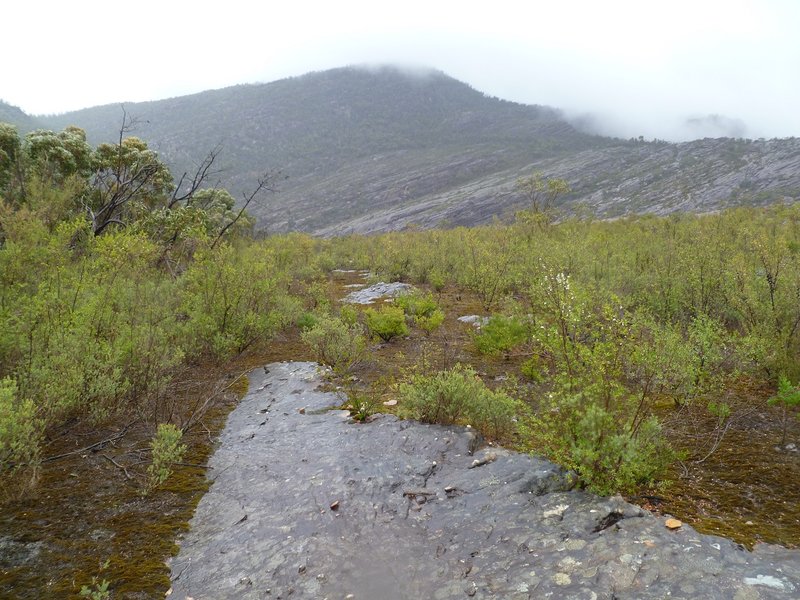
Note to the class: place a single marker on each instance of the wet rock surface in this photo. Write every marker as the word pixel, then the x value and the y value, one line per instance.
pixel 311 505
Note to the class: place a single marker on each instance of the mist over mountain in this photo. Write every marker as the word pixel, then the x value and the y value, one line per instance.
pixel 385 148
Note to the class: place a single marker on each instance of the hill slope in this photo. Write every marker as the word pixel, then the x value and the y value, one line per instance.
pixel 14 115
pixel 368 150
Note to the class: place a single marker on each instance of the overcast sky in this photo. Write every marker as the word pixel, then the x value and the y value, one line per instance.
pixel 656 69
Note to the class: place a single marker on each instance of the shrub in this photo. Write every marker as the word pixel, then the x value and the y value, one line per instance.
pixel 387 322
pixel 166 450
pixel 534 370
pixel 458 396
pixel 500 334
pixel 608 455
pixel 20 430
pixel 306 321
pixel 336 343
pixel 423 309
pixel 234 299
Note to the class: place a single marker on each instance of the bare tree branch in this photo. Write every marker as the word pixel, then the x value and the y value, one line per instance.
pixel 202 173
pixel 266 183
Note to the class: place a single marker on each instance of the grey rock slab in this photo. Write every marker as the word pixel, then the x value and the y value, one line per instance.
pixel 313 505
pixel 375 292
pixel 474 320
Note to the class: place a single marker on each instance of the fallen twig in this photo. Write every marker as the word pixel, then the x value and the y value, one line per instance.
pixel 119 466
pixel 101 443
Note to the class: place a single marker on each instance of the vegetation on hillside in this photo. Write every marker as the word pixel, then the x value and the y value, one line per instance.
pixel 112 278
pixel 601 340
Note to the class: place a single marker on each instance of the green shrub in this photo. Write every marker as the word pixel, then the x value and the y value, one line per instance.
pixel 166 450
pixel 534 370
pixel 458 396
pixel 20 429
pixel 307 321
pixel 423 309
pixel 416 303
pixel 607 454
pixel 233 299
pixel 788 397
pixel 387 322
pixel 500 334
pixel 349 314
pixel 335 343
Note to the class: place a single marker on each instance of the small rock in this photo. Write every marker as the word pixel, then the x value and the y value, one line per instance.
pixel 449 488
pixel 557 511
pixel 390 403
pixel 302 411
pixel 335 505
pixel 672 524
pixel 301 569
pixel 471 589
pixel 474 320
pixel 479 462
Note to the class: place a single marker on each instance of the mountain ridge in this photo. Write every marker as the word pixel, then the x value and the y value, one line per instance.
pixel 375 149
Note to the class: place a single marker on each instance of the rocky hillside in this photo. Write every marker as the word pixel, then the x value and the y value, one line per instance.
pixel 369 150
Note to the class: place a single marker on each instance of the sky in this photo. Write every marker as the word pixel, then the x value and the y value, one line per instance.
pixel 671 70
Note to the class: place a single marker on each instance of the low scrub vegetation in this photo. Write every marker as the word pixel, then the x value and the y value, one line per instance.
pixel 386 322
pixel 459 396
pixel 107 293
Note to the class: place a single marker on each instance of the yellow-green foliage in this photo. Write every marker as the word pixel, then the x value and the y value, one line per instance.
pixel 500 334
pixel 386 322
pixel 166 450
pixel 335 342
pixel 234 298
pixel 458 396
pixel 422 309
pixel 20 430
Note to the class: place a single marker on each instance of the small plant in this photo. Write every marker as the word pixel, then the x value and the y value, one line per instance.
pixel 336 343
pixel 387 322
pixel 788 397
pixel 437 281
pixel 423 309
pixel 363 403
pixel 608 455
pixel 20 438
pixel 534 370
pixel 500 334
pixel 458 396
pixel 348 314
pixel 166 451
pixel 98 589
pixel 306 321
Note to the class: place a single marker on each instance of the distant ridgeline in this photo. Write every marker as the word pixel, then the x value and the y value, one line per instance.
pixel 371 150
